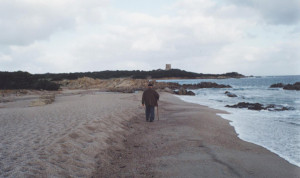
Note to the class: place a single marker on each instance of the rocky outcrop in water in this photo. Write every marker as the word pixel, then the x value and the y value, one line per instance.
pixel 295 86
pixel 229 94
pixel 258 106
pixel 251 106
pixel 277 85
pixel 205 85
pixel 183 91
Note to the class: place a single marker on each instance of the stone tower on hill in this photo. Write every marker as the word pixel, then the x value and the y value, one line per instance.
pixel 168 66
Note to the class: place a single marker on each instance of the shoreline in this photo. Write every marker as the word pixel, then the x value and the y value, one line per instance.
pixel 233 124
pixel 191 140
pixel 86 133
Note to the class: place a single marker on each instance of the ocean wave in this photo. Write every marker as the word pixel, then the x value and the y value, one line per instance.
pixel 279 131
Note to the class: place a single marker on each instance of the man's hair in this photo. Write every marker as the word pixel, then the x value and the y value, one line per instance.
pixel 150 85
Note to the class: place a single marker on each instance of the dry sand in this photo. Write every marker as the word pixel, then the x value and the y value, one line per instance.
pixel 95 134
pixel 63 139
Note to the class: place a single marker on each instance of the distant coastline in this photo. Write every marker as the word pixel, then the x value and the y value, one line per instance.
pixel 134 74
pixel 48 81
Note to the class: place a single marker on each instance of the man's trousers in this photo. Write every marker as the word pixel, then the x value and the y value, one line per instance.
pixel 150 113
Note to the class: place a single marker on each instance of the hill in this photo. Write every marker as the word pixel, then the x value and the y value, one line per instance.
pixel 137 74
pixel 49 81
pixel 25 80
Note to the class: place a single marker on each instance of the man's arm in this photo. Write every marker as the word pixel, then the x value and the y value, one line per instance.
pixel 143 99
pixel 156 95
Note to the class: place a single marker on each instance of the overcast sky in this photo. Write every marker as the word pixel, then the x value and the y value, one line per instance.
pixel 252 37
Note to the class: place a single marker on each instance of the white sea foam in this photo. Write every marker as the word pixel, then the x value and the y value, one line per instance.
pixel 278 131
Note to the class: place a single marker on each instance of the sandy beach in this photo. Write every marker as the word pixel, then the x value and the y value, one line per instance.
pixel 96 134
pixel 62 139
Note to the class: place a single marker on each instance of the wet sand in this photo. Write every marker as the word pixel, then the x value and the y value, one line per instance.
pixel 190 140
pixel 96 134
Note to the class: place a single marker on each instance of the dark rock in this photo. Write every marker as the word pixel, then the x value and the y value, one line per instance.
pixel 277 85
pixel 255 106
pixel 295 86
pixel 230 94
pixel 191 93
pixel 273 107
pixel 251 106
pixel 205 85
pixel 183 91
pixel 258 106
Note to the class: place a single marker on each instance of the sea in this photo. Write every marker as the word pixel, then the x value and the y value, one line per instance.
pixel 277 131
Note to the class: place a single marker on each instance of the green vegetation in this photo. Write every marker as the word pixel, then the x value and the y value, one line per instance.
pixel 25 80
pixel 136 74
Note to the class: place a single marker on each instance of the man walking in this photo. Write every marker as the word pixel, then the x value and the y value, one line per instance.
pixel 150 98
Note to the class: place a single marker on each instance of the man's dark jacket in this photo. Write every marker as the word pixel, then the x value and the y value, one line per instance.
pixel 150 97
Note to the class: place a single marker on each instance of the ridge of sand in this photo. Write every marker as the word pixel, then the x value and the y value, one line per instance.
pixel 62 139
pixel 190 141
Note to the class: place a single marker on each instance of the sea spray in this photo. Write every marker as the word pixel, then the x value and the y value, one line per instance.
pixel 278 131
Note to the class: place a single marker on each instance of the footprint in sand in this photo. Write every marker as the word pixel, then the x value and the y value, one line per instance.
pixel 74 135
pixel 91 128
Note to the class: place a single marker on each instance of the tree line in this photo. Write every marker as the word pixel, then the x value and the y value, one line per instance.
pixel 25 80
pixel 136 74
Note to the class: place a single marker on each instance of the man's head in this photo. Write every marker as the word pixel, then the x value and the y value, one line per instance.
pixel 150 85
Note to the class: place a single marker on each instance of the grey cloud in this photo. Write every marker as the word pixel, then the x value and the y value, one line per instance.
pixel 24 22
pixel 274 11
pixel 295 30
pixel 22 33
pixel 193 39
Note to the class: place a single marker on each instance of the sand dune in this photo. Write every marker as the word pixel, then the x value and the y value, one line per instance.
pixel 64 138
